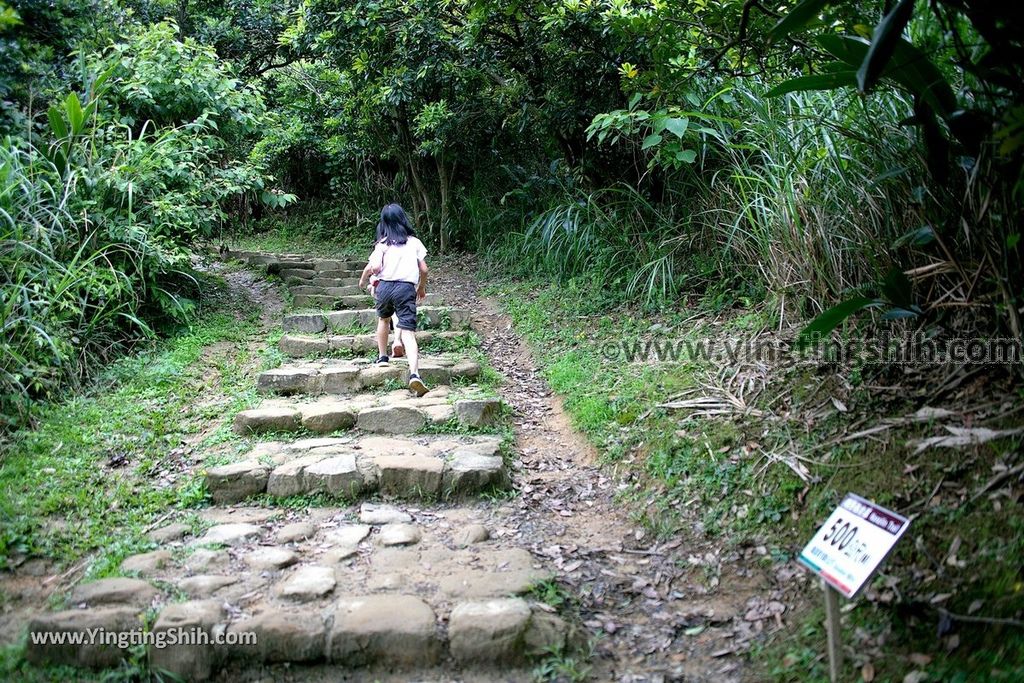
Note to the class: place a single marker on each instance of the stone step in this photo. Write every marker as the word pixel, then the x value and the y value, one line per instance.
pixel 349 376
pixel 321 321
pixel 398 412
pixel 318 281
pixel 304 346
pixel 321 290
pixel 331 303
pixel 430 467
pixel 376 586
pixel 360 300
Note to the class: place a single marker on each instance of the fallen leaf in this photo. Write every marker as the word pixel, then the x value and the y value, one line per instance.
pixel 867 672
pixel 919 659
pixel 694 630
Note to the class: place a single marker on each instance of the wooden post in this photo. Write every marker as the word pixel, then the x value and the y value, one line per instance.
pixel 835 648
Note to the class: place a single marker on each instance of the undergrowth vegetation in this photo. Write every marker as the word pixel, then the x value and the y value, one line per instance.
pixel 758 453
pixel 101 466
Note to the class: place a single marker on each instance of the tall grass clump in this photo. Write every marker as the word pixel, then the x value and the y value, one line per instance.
pixel 99 210
pixel 799 196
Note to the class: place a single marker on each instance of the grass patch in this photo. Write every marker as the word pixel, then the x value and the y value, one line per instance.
pixel 730 469
pixel 85 478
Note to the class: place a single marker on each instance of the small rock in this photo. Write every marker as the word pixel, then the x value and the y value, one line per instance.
pixel 168 534
pixel 399 534
pixel 308 583
pixel 382 514
pixel 272 559
pixel 478 412
pixel 288 479
pixel 546 633
pixel 304 322
pixel 146 563
pixel 204 559
pixel 324 418
pixel 285 381
pixel 474 533
pixel 297 531
pixel 114 591
pixel 468 473
pixel 205 585
pixel 229 534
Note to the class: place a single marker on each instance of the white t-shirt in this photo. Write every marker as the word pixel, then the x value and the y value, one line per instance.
pixel 398 262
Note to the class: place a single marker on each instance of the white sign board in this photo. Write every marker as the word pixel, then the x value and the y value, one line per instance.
pixel 852 543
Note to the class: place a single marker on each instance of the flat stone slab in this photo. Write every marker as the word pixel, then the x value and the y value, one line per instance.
pixel 399 630
pixel 399 534
pixel 350 376
pixel 114 591
pixel 188 661
pixel 169 534
pixel 307 583
pixel 271 559
pixel 366 319
pixel 205 585
pixel 229 534
pixel 264 420
pixel 424 467
pixel 297 531
pixel 280 636
pixel 489 631
pixel 370 513
pixel 237 481
pixel 397 412
pixel 78 624
pixel 302 346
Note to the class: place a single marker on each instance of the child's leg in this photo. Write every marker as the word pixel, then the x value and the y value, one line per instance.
pixel 382 335
pixel 412 351
pixel 398 348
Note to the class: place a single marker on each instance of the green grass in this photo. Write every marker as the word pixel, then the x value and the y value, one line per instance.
pixel 720 469
pixel 61 500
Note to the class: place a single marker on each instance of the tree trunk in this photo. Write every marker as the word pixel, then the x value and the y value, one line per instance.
pixel 442 183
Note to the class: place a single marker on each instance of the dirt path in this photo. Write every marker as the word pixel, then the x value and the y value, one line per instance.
pixel 683 609
pixel 318 575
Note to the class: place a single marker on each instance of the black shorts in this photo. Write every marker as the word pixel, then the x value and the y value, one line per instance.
pixel 397 296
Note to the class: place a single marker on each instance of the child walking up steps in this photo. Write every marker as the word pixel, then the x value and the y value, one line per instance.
pixel 399 263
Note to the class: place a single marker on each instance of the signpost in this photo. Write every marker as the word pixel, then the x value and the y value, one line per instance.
pixel 847 549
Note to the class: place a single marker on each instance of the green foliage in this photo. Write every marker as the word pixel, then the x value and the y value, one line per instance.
pixel 98 215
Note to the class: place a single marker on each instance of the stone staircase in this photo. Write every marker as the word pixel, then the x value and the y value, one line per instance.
pixel 329 284
pixel 387 564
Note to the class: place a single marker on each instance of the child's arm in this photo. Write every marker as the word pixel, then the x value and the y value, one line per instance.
pixel 421 291
pixel 367 272
pixel 373 265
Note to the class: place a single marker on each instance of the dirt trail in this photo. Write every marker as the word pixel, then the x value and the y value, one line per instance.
pixel 684 609
pixel 680 610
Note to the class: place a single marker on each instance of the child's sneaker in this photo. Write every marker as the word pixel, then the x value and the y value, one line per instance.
pixel 416 385
pixel 381 360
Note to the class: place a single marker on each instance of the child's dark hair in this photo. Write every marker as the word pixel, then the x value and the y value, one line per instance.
pixel 394 226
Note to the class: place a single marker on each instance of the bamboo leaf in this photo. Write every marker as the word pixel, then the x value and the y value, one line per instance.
pixel 797 18
pixel 830 319
pixel 886 37
pixel 826 81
